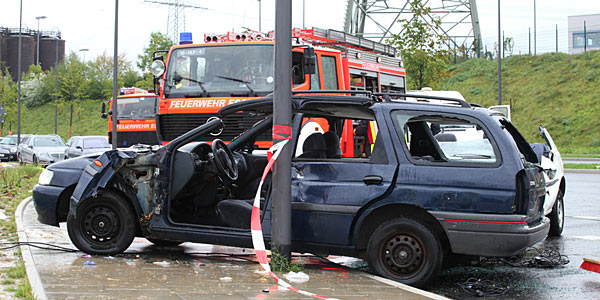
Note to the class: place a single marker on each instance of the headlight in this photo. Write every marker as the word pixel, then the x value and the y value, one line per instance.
pixel 45 177
pixel 13 149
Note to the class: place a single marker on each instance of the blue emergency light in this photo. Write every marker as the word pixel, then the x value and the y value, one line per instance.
pixel 185 38
pixel 122 92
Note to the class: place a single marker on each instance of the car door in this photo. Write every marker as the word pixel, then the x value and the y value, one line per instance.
pixel 327 192
pixel 77 149
pixel 27 152
pixel 70 145
pixel 446 169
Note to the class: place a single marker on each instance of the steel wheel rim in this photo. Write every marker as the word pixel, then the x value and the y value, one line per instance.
pixel 101 224
pixel 403 255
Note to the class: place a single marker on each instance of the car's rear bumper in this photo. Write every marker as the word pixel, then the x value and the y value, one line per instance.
pixel 45 199
pixel 490 234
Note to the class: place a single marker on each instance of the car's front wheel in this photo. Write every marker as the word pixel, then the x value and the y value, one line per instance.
pixel 405 250
pixel 103 225
pixel 19 159
pixel 34 160
pixel 557 216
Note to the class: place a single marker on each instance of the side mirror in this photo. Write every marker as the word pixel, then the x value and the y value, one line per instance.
pixel 78 147
pixel 104 116
pixel 310 60
pixel 103 111
pixel 158 67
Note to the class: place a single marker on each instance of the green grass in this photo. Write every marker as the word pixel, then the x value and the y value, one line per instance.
pixel 40 120
pixel 556 90
pixel 582 166
pixel 15 185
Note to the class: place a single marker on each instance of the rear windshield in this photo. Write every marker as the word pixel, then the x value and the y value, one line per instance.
pixel 95 143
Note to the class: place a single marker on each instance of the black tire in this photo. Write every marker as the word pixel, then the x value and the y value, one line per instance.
pixel 557 216
pixel 164 243
pixel 19 159
pixel 105 225
pixel 405 250
pixel 34 160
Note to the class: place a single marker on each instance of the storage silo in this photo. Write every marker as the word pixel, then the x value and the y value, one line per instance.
pixel 48 52
pixel 11 43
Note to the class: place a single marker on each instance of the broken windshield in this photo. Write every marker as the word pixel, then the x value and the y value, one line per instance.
pixel 220 70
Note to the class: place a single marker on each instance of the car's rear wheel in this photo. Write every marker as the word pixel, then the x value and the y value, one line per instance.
pixel 104 225
pixel 557 216
pixel 19 159
pixel 405 250
pixel 164 243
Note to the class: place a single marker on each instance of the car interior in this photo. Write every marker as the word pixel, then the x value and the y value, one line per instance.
pixel 204 194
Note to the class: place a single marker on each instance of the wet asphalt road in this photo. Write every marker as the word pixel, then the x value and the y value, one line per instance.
pixel 580 238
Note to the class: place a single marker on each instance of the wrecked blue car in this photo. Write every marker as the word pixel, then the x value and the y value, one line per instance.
pixel 402 200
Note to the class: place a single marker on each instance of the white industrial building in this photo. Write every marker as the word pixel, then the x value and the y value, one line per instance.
pixel 584 33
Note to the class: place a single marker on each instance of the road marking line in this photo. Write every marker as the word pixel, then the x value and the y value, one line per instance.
pixel 586 218
pixel 588 237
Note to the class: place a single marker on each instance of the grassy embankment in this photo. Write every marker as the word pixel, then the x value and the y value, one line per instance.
pixel 16 184
pixel 40 120
pixel 556 90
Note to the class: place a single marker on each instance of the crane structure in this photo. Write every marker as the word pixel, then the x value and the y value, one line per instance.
pixel 175 16
pixel 378 20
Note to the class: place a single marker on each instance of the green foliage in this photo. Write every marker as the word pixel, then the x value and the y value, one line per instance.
pixel 158 41
pixel 280 263
pixel 556 90
pixel 421 47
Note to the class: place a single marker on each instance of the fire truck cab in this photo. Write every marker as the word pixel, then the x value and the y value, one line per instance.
pixel 135 117
pixel 194 81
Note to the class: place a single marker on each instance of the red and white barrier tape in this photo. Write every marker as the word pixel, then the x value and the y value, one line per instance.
pixel 256 227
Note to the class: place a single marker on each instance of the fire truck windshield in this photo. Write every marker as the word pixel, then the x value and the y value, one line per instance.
pixel 219 70
pixel 136 108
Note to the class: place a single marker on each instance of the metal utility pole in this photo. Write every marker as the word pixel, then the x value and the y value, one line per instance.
pixel 556 38
pixel 303 14
pixel 37 57
pixel 259 16
pixel 19 74
pixel 534 30
pixel 56 87
pixel 584 36
pixel 499 60
pixel 115 107
pixel 281 232
pixel 84 50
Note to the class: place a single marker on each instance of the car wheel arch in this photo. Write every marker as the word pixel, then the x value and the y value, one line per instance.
pixel 118 186
pixel 371 218
pixel 62 206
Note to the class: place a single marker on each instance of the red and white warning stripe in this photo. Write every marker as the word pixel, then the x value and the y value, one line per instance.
pixel 256 227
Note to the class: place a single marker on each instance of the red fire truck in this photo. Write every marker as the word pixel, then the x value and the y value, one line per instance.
pixel 196 80
pixel 135 119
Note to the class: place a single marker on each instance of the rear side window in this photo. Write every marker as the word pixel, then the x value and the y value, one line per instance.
pixel 445 140
pixel 330 76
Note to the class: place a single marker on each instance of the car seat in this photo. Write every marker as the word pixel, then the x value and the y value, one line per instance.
pixel 332 145
pixel 314 146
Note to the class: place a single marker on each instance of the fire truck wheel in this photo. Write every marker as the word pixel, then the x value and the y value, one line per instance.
pixel 103 225
pixel 405 250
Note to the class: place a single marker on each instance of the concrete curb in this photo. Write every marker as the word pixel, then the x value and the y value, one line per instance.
pixel 583 171
pixel 32 274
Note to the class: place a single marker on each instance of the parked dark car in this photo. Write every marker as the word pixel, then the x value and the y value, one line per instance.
pixel 8 148
pixel 401 208
pixel 55 186
pixel 82 145
pixel 41 149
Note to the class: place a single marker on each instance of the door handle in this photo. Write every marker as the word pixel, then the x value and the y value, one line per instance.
pixel 372 179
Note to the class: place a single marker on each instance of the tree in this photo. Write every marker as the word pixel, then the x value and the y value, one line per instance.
pixel 8 97
pixel 421 47
pixel 158 41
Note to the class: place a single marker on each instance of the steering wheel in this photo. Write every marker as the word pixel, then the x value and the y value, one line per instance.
pixel 224 160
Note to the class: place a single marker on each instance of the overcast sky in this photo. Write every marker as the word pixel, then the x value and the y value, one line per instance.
pixel 90 23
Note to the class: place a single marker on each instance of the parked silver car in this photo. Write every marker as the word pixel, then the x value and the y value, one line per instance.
pixel 41 149
pixel 82 145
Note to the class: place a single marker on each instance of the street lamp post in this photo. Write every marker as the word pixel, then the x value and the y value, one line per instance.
pixel 56 84
pixel 37 59
pixel 84 50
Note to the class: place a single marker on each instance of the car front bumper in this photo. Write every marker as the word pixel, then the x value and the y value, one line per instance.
pixel 8 156
pixel 45 199
pixel 490 234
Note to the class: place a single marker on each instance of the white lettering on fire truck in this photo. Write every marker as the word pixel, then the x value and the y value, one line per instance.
pixel 201 103
pixel 136 126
